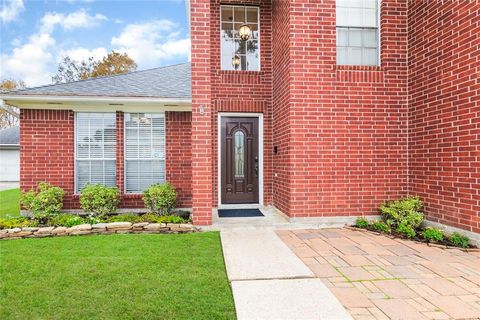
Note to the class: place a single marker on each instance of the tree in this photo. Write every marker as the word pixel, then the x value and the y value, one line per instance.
pixel 9 115
pixel 113 63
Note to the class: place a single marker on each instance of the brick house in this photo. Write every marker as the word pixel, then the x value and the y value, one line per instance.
pixel 317 108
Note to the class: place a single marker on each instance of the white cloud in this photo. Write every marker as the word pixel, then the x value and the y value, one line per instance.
pixel 35 60
pixel 78 19
pixel 79 54
pixel 152 43
pixel 30 61
pixel 10 10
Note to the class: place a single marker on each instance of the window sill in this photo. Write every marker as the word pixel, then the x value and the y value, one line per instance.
pixel 358 68
pixel 248 72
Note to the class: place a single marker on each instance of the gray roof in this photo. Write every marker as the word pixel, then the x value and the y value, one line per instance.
pixel 164 82
pixel 10 136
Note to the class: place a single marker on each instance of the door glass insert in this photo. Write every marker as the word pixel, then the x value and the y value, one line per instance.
pixel 239 145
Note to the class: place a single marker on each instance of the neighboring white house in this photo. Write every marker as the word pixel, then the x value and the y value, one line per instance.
pixel 10 154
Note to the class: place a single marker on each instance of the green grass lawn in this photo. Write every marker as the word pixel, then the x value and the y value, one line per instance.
pixel 9 203
pixel 131 276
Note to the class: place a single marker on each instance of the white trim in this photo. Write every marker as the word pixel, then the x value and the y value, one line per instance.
pixel 95 103
pixel 259 36
pixel 260 158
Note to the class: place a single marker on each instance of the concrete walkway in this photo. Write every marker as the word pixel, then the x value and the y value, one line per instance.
pixel 270 282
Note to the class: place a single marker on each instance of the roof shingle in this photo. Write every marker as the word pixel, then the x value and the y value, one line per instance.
pixel 164 82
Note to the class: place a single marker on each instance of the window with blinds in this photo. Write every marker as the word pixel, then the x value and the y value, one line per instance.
pixel 95 149
pixel 358 32
pixel 144 150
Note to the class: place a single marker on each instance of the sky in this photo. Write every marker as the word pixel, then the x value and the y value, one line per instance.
pixel 36 34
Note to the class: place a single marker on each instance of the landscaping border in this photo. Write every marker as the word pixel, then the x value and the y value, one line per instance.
pixel 99 228
pixel 441 246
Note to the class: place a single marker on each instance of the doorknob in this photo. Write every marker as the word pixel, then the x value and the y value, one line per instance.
pixel 256 170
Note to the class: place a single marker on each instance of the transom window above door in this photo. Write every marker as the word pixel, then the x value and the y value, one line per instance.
pixel 240 38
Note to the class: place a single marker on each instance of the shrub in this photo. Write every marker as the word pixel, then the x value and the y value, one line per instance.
pixel 361 223
pixel 459 240
pixel 433 235
pixel 19 222
pixel 381 226
pixel 99 199
pixel 407 230
pixel 160 198
pixel 405 212
pixel 66 220
pixel 45 203
pixel 153 218
pixel 133 218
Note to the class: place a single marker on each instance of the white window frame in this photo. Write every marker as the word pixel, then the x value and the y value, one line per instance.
pixel 125 149
pixel 75 135
pixel 379 39
pixel 259 37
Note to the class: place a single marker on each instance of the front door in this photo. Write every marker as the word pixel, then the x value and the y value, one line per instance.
pixel 239 160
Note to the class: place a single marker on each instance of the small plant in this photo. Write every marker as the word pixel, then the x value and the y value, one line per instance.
pixel 381 226
pixel 160 198
pixel 153 218
pixel 45 203
pixel 459 240
pixel 98 199
pixel 405 212
pixel 407 230
pixel 66 220
pixel 361 223
pixel 19 222
pixel 433 235
pixel 133 218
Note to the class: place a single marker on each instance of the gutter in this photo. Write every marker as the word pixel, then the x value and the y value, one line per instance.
pixel 104 99
pixel 9 147
pixel 97 103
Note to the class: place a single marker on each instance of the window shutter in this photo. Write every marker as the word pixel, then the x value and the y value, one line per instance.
pixel 144 150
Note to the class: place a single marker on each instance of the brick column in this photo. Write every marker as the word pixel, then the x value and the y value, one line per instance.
pixel 201 113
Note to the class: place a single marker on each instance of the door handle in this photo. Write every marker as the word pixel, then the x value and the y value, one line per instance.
pixel 256 170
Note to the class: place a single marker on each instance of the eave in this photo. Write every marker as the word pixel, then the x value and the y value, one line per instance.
pixel 97 103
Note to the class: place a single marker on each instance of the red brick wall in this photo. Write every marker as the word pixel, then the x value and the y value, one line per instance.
pixel 243 91
pixel 47 150
pixel 47 154
pixel 179 155
pixel 202 173
pixel 444 110
pixel 281 104
pixel 347 141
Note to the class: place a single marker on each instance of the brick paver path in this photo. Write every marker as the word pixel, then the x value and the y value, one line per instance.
pixel 376 277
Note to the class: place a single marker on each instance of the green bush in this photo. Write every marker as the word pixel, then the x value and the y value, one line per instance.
pixel 433 235
pixel 45 203
pixel 19 222
pixel 160 198
pixel 133 218
pixel 407 230
pixel 381 226
pixel 459 240
pixel 99 199
pixel 405 212
pixel 361 223
pixel 66 220
pixel 153 218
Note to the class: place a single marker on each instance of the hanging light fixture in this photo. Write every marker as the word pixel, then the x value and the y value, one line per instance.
pixel 236 61
pixel 244 32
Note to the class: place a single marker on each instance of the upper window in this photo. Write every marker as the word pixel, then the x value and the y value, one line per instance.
pixel 240 38
pixel 95 149
pixel 357 32
pixel 144 150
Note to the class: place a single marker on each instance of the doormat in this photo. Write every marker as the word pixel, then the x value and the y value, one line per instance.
pixel 239 213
